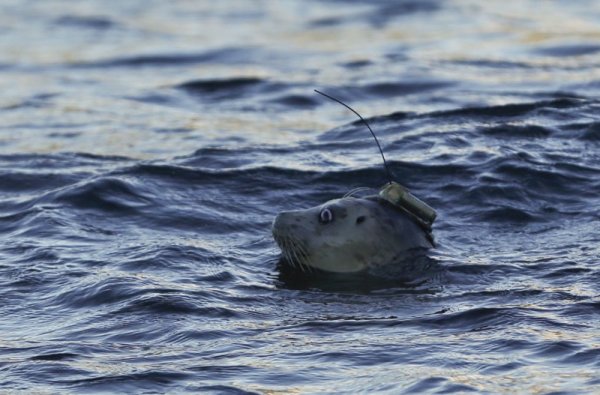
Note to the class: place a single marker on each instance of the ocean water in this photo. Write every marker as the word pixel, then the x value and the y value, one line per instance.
pixel 146 146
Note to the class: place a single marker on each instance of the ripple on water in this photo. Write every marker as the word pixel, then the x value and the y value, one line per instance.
pixel 148 274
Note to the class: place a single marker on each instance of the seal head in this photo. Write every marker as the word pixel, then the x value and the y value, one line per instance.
pixel 348 235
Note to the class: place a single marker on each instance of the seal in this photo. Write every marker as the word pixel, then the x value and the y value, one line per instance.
pixel 348 235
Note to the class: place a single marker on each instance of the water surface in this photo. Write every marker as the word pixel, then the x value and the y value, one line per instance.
pixel 146 146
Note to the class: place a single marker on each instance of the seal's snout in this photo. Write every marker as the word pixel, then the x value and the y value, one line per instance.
pixel 287 230
pixel 278 224
pixel 285 233
pixel 284 222
pixel 281 228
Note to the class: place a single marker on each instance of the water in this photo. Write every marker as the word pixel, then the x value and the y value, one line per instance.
pixel 146 146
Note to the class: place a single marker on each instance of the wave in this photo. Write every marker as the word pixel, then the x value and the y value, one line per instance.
pixel 221 55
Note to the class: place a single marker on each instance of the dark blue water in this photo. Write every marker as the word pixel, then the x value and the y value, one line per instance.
pixel 146 146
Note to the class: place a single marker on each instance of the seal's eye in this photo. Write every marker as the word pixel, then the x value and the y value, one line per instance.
pixel 325 216
pixel 360 219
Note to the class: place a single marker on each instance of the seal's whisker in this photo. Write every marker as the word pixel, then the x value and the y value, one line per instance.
pixel 293 251
pixel 298 259
pixel 284 248
pixel 356 190
pixel 292 254
pixel 298 255
pixel 286 251
pixel 304 256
